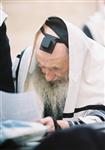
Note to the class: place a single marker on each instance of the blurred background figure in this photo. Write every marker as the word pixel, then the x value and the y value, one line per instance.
pixel 95 26
pixel 6 81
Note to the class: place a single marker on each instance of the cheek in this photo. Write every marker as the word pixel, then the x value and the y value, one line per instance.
pixel 64 71
pixel 66 68
pixel 61 73
pixel 43 70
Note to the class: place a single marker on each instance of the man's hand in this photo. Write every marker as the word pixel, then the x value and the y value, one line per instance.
pixel 48 121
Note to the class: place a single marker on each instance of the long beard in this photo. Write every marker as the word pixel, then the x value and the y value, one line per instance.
pixel 53 94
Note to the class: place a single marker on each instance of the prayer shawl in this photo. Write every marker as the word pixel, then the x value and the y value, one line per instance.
pixel 85 99
pixel 96 26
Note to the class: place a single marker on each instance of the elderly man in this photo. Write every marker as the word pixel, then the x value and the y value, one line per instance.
pixel 66 69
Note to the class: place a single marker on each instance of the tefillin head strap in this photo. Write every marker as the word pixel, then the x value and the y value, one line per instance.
pixel 48 42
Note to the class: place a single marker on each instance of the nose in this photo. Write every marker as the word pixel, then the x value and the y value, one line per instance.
pixel 49 75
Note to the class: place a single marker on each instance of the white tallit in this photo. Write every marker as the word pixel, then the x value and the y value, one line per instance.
pixel 86 72
pixel 96 25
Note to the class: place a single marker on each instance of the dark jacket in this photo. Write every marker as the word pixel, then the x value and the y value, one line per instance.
pixel 6 80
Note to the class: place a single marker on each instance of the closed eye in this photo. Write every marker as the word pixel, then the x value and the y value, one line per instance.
pixel 56 69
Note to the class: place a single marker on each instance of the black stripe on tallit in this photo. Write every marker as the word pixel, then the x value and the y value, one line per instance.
pixel 89 107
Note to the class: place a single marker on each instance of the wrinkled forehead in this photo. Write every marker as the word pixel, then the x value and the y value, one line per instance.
pixel 51 60
pixel 59 52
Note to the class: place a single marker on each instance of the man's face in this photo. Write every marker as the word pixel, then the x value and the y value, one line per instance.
pixel 54 66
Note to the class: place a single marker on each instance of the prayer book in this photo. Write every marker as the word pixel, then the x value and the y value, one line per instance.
pixel 19 118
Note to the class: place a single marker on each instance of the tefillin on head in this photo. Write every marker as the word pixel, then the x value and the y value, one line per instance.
pixel 49 41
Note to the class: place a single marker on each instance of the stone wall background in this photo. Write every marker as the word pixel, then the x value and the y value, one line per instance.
pixel 25 16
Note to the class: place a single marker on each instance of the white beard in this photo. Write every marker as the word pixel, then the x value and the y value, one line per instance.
pixel 53 95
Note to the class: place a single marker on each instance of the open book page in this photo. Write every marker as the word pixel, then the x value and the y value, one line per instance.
pixel 20 106
pixel 19 113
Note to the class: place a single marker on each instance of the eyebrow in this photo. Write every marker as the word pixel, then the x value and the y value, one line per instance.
pixel 52 67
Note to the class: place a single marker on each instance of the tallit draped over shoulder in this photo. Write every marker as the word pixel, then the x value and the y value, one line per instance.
pixel 96 26
pixel 86 77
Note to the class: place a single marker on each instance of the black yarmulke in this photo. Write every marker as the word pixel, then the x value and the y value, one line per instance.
pixel 59 27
